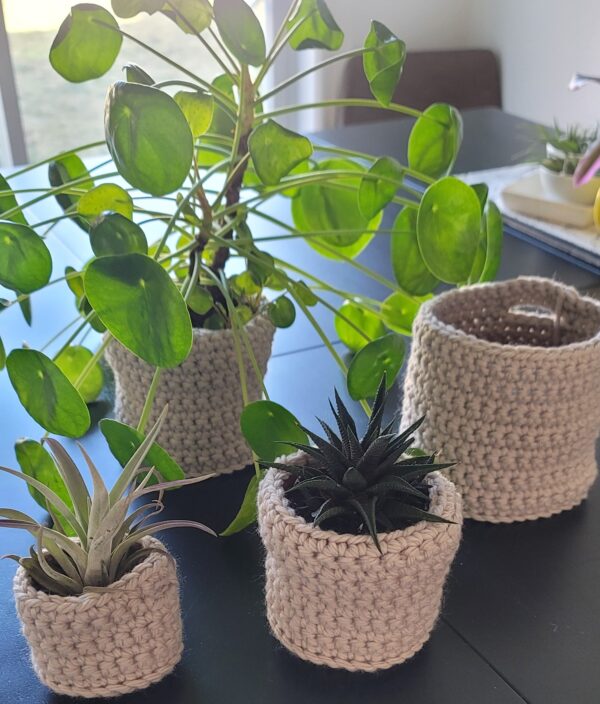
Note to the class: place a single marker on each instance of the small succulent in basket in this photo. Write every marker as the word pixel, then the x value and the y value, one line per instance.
pixel 97 578
pixel 377 483
pixel 108 536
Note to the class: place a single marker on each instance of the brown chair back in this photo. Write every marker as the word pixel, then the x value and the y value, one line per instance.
pixel 465 78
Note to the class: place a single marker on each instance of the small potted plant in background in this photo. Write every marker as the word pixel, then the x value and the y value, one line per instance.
pixel 98 596
pixel 359 538
pixel 564 149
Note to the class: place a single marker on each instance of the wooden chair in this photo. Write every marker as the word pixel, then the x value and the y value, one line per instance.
pixel 465 78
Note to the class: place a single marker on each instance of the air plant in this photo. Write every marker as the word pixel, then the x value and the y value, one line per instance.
pixel 95 538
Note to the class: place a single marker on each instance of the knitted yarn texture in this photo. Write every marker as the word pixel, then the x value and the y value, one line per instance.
pixel 202 428
pixel 103 644
pixel 334 600
pixel 508 377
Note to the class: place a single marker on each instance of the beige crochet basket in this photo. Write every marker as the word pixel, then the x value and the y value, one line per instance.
pixel 202 428
pixel 508 377
pixel 104 644
pixel 334 600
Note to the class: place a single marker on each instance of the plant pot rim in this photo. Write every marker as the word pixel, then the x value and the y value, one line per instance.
pixel 445 502
pixel 428 315
pixel 156 559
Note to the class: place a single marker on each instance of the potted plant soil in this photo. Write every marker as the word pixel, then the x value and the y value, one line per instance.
pixel 359 538
pixel 509 374
pixel 98 596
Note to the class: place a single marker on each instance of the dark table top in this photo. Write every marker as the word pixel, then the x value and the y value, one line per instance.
pixel 521 617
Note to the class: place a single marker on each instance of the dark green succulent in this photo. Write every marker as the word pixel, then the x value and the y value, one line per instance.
pixel 362 486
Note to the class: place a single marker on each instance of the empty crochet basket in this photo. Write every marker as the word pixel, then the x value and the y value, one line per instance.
pixel 202 428
pixel 104 644
pixel 508 377
pixel 333 599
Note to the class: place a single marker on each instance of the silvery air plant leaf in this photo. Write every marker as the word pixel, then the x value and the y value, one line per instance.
pixel 107 531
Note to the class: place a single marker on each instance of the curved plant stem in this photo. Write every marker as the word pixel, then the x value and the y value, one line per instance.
pixel 93 360
pixel 56 157
pixel 342 102
pixel 278 44
pixel 141 426
pixel 59 333
pixel 72 337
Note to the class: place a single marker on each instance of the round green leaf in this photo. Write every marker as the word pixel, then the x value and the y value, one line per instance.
pixel 373 194
pixel 200 300
pixel 400 310
pixel 448 229
pixel 124 440
pixel 410 270
pixel 366 321
pixel 192 16
pixel 222 122
pixel 112 233
pixel 240 31
pixel 383 63
pixel 198 108
pixel 87 43
pixel 385 354
pixel 266 425
pixel 282 312
pixel 25 262
pixel 304 293
pixel 435 140
pixel 136 74
pixel 108 196
pixel 25 308
pixel 276 150
pixel 141 306
pixel 148 137
pixel 316 27
pixel 482 191
pixel 494 231
pixel 325 207
pixel 70 168
pixel 72 361
pixel 8 202
pixel 35 461
pixel 130 8
pixel 47 394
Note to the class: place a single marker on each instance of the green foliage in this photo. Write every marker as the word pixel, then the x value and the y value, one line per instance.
pixel 113 233
pixel 370 485
pixel 108 531
pixel 47 394
pixel 9 202
pixel 266 425
pixel 67 169
pixel 240 30
pixel 160 333
pixel 198 108
pixel 282 312
pixel 435 140
pixel 148 137
pixel 192 16
pixel 124 441
pixel 569 143
pixel 374 195
pixel 356 326
pixel 247 513
pixel 87 43
pixel 25 262
pixel 315 27
pixel 448 229
pixel 410 270
pixel 106 196
pixel 72 361
pixel 383 62
pixel 136 74
pixel 276 150
pixel 381 357
pixel 399 311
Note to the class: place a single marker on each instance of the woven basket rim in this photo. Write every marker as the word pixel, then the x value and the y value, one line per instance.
pixel 446 490
pixel 157 559
pixel 427 315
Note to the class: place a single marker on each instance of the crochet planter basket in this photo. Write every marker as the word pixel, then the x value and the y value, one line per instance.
pixel 508 377
pixel 103 644
pixel 334 600
pixel 202 428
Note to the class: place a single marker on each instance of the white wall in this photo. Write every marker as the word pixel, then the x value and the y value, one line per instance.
pixel 541 43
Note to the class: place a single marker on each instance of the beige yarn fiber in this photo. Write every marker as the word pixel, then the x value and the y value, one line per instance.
pixel 202 428
pixel 334 600
pixel 103 644
pixel 508 376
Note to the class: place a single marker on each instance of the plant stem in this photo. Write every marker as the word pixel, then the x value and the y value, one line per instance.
pixel 152 389
pixel 93 360
pixel 316 67
pixel 72 337
pixel 342 102
pixel 58 156
pixel 277 43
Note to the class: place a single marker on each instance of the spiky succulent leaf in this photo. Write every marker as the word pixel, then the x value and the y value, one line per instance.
pixel 361 486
